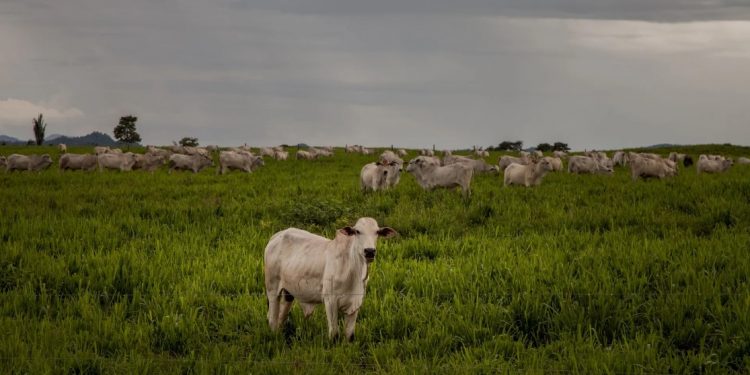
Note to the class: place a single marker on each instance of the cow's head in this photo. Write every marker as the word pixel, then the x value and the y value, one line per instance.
pixel 365 234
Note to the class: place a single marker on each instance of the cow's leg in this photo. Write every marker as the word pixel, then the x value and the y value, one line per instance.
pixel 273 309
pixel 332 314
pixel 286 305
pixel 350 321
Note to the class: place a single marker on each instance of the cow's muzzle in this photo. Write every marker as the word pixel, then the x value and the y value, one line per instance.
pixel 369 255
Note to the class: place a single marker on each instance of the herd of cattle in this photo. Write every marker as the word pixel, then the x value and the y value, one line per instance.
pixel 527 169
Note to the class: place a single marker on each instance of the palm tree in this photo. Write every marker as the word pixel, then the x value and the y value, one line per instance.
pixel 39 128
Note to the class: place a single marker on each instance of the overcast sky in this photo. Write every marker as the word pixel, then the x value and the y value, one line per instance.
pixel 593 73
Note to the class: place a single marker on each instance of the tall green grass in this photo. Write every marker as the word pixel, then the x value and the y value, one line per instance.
pixel 154 273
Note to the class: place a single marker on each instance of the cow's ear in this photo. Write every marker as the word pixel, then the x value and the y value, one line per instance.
pixel 348 231
pixel 387 232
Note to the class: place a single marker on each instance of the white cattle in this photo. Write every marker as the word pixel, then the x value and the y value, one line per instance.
pixel 482 153
pixel 266 151
pixel 62 147
pixel 3 162
pixel 427 152
pixel 120 162
pixel 706 165
pixel 389 156
pixel 538 154
pixel 116 151
pixel 526 175
pixel 401 152
pixel 478 165
pixel 230 160
pixel 743 160
pixel 151 161
pixel 17 162
pixel 280 155
pixel 193 163
pixel 98 150
pixel 556 163
pixel 584 164
pixel 313 270
pixel 380 175
pixel 620 158
pixel 507 160
pixel 302 154
pixel 85 162
pixel 560 154
pixel 649 167
pixel 430 175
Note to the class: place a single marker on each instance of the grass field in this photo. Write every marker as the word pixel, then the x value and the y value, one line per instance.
pixel 141 273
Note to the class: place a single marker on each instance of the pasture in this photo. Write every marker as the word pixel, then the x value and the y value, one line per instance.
pixel 154 273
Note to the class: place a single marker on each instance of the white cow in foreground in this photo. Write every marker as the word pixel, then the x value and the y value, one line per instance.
pixel 314 270
pixel 527 175
pixel 430 174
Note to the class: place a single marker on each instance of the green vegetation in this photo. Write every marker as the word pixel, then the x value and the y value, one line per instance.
pixel 154 273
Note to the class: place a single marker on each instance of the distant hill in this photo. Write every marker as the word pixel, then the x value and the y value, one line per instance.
pixel 10 140
pixel 93 139
pixel 52 137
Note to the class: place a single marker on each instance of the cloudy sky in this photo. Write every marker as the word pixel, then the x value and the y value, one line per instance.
pixel 593 73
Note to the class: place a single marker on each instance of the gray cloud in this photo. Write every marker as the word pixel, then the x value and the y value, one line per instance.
pixel 405 73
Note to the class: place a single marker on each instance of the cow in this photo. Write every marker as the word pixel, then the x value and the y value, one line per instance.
pixel 194 163
pixel 16 162
pixel 280 155
pixel 62 147
pixel 98 150
pixel 538 154
pixel 150 161
pixel 526 175
pixel 430 175
pixel 479 165
pixel 302 154
pixel 507 160
pixel 380 175
pixel 313 270
pixel 584 164
pixel 427 152
pixel 85 162
pixel 229 160
pixel 620 158
pixel 743 160
pixel 3 162
pixel 560 154
pixel 707 165
pixel 266 151
pixel 649 167
pixel 389 156
pixel 401 152
pixel 556 163
pixel 121 162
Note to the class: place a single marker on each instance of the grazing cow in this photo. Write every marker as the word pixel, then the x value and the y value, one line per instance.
pixel 401 152
pixel 430 175
pixel 3 162
pixel 526 175
pixel 98 150
pixel 379 176
pixel 85 162
pixel 538 154
pixel 150 161
pixel 743 160
pixel 707 165
pixel 266 151
pixel 585 164
pixel 121 162
pixel 482 153
pixel 560 154
pixel 479 165
pixel 194 163
pixel 212 148
pixel 62 147
pixel 524 154
pixel 676 157
pixel 230 160
pixel 427 152
pixel 27 163
pixel 280 155
pixel 313 270
pixel 116 151
pixel 648 167
pixel 507 160
pixel 302 154
pixel 556 163
pixel 279 148
pixel 620 158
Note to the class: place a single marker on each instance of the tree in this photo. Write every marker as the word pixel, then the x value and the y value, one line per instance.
pixel 189 142
pixel 125 131
pixel 544 147
pixel 559 146
pixel 39 128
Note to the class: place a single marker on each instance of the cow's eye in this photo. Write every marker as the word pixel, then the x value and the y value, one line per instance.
pixel 356 231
